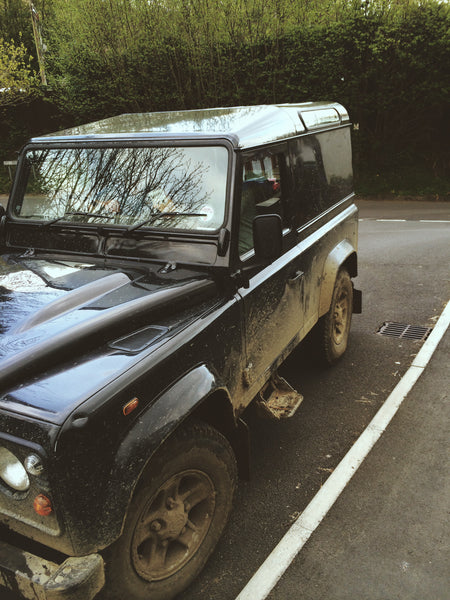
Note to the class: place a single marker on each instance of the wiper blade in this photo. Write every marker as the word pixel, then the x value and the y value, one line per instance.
pixel 76 213
pixel 155 216
pixel 30 216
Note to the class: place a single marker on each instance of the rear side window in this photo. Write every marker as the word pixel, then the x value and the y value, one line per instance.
pixel 322 170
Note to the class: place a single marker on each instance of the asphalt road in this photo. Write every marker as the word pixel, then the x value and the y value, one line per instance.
pixel 404 276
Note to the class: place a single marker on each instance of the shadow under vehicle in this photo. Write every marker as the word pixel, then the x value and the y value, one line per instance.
pixel 155 271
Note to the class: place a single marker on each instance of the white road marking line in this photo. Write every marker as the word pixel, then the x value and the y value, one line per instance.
pixel 404 220
pixel 273 568
pixel 433 221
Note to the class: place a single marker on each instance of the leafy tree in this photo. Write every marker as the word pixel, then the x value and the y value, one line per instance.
pixel 15 22
pixel 18 81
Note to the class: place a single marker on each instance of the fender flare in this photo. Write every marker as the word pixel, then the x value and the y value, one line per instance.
pixel 341 254
pixel 146 436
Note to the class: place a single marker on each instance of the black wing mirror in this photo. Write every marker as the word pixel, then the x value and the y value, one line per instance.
pixel 267 238
pixel 2 211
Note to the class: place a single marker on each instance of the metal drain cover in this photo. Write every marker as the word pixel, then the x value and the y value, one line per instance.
pixel 401 330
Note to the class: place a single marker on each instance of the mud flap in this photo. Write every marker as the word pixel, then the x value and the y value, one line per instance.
pixel 277 399
pixel 357 301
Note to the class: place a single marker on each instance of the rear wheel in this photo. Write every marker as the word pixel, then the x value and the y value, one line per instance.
pixel 334 327
pixel 175 518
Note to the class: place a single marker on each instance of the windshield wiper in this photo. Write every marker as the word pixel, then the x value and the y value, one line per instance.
pixel 30 216
pixel 76 213
pixel 155 216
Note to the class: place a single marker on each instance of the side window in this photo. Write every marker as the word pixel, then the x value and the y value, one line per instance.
pixel 322 170
pixel 263 183
pixel 309 180
pixel 337 163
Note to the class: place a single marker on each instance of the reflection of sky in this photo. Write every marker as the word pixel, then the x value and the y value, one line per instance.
pixel 315 118
pixel 61 392
pixel 213 183
pixel 123 183
pixel 219 120
pixel 18 306
pixel 23 281
pixel 336 154
pixel 251 125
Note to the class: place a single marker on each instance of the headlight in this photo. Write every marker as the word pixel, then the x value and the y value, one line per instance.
pixel 12 471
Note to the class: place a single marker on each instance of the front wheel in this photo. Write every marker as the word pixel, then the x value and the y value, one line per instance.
pixel 334 326
pixel 175 518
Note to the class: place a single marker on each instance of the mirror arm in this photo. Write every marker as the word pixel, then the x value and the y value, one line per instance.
pixel 241 277
pixel 2 228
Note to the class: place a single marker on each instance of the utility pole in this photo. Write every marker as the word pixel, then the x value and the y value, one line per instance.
pixel 38 41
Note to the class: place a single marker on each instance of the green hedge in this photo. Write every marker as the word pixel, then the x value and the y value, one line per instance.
pixel 388 68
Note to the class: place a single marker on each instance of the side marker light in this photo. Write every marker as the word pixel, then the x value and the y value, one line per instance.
pixel 130 406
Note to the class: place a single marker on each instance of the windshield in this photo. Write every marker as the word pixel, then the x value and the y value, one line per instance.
pixel 158 187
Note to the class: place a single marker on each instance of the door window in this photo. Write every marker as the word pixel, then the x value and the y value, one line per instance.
pixel 263 184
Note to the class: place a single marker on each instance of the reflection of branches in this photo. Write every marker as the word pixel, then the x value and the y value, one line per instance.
pixel 132 182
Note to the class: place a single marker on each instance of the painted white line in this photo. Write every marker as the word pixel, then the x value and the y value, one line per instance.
pixel 404 220
pixel 433 221
pixel 273 568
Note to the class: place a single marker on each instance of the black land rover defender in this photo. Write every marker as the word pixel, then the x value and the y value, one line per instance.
pixel 155 270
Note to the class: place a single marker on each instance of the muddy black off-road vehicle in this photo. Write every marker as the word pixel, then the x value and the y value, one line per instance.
pixel 155 271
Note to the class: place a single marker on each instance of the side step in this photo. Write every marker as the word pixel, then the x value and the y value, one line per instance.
pixel 277 399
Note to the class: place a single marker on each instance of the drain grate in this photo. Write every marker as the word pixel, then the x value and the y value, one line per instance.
pixel 401 330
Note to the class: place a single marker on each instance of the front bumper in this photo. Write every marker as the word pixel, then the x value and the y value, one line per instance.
pixel 34 578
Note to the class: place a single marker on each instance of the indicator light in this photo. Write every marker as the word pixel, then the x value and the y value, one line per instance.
pixel 42 505
pixel 130 406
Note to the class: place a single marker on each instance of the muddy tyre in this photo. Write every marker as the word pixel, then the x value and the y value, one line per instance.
pixel 175 518
pixel 334 326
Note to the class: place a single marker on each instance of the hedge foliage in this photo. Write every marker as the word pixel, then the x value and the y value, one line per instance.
pixel 387 62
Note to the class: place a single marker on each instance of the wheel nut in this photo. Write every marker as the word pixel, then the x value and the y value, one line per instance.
pixel 170 503
pixel 156 526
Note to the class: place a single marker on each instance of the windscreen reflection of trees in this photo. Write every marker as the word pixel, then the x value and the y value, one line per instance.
pixel 122 185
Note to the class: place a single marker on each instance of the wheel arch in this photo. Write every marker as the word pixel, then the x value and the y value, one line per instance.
pixel 342 256
pixel 202 399
pixel 217 410
pixel 185 501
